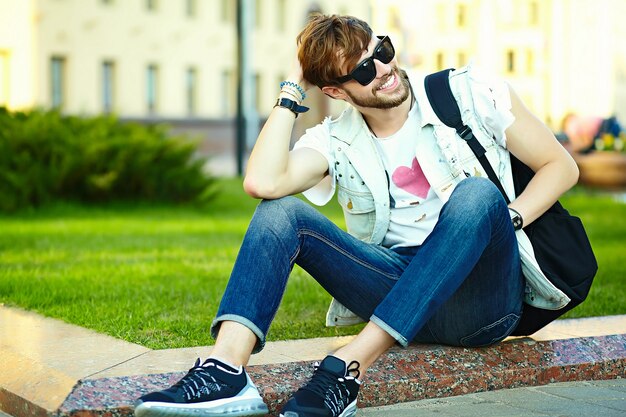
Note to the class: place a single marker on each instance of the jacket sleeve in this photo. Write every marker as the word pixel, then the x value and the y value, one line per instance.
pixel 490 98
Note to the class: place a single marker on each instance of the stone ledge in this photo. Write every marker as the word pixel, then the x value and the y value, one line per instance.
pixel 400 375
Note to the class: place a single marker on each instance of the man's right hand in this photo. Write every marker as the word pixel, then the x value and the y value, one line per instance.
pixel 296 75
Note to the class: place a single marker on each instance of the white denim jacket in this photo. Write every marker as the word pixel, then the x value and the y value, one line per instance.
pixel 356 171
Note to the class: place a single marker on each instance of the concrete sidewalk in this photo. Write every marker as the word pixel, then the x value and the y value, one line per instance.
pixel 50 368
pixel 571 399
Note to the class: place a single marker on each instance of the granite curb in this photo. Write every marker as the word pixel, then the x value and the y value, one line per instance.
pixel 401 375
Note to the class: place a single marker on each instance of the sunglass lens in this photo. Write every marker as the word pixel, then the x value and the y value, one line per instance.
pixel 385 51
pixel 365 73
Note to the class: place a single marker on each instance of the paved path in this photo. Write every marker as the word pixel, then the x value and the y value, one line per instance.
pixel 571 399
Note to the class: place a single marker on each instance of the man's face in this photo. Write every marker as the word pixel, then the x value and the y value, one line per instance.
pixel 389 89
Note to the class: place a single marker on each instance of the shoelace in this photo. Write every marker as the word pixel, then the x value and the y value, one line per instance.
pixel 325 384
pixel 198 381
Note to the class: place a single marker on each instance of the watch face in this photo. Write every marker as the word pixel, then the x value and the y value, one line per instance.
pixel 516 219
pixel 517 222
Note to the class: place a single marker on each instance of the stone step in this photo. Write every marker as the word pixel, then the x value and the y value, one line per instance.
pixel 400 375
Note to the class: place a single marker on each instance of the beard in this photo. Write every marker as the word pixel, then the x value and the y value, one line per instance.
pixel 384 102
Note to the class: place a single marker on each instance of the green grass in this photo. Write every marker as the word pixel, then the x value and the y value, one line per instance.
pixel 154 275
pixel 151 275
pixel 605 221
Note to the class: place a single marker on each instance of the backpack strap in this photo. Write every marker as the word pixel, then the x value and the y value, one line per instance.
pixel 444 105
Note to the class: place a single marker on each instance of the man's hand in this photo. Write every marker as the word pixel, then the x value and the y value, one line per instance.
pixel 296 75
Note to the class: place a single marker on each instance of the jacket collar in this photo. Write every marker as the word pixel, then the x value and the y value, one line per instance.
pixel 348 125
pixel 427 114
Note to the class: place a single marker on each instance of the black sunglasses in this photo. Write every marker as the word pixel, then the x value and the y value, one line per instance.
pixel 365 71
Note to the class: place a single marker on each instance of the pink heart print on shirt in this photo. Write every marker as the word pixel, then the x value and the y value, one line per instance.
pixel 411 180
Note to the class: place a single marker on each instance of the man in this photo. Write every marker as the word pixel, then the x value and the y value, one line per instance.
pixel 431 254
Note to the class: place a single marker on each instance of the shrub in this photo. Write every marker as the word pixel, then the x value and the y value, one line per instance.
pixel 45 156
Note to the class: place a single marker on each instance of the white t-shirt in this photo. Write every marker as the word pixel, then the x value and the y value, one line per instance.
pixel 414 205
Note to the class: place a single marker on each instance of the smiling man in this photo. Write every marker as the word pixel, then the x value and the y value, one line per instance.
pixel 430 254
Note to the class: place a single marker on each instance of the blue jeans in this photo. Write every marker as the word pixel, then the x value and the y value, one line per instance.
pixel 463 286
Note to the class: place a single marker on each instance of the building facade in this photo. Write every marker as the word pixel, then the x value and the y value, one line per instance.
pixel 561 56
pixel 176 60
pixel 155 60
pixel 173 59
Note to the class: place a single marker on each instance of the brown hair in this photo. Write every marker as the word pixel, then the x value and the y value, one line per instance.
pixel 327 40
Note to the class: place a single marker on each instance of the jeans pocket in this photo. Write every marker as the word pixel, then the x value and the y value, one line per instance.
pixel 492 333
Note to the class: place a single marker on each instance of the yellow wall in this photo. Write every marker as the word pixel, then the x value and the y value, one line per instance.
pixel 16 54
pixel 568 54
pixel 85 33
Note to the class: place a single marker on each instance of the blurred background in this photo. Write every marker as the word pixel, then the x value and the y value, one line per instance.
pixel 117 117
pixel 211 68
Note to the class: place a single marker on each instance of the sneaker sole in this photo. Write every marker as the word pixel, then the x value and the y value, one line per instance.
pixel 234 407
pixel 350 411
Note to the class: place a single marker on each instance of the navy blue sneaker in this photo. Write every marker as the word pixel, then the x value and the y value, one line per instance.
pixel 331 392
pixel 210 389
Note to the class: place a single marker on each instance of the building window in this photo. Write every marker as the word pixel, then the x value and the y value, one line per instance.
pixel 441 14
pixel 228 11
pixel 510 61
pixel 439 61
pixel 530 61
pixel 462 59
pixel 152 93
pixel 152 5
pixel 192 8
pixel 394 22
pixel 108 86
pixel 281 9
pixel 258 103
pixel 57 81
pixel 258 13
pixel 191 86
pixel 461 17
pixel 534 13
pixel 4 79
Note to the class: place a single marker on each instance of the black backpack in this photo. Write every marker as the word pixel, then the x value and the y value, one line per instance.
pixel 559 240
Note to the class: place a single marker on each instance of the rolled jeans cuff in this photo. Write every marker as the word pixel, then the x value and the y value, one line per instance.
pixel 260 342
pixel 393 333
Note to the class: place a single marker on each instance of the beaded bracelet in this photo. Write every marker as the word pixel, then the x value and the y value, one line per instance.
pixel 293 91
pixel 291 94
pixel 296 86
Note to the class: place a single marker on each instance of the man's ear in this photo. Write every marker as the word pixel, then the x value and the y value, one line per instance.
pixel 334 92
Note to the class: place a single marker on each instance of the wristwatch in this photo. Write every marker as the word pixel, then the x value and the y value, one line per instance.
pixel 291 105
pixel 516 218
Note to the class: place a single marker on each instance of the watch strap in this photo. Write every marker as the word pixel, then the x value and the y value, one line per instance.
pixel 291 105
